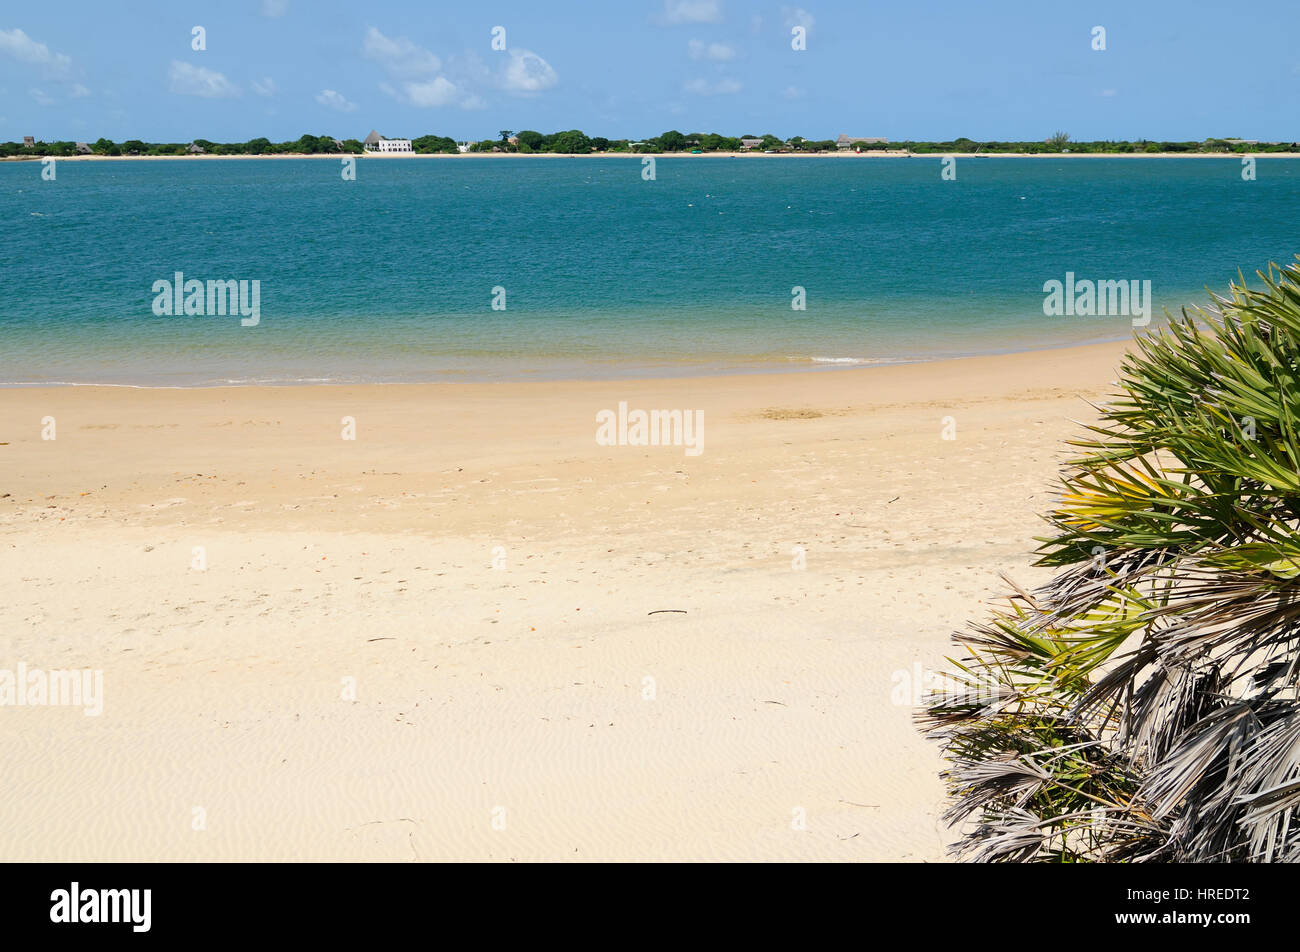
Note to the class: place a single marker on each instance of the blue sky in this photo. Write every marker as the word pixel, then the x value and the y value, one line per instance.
pixel 993 69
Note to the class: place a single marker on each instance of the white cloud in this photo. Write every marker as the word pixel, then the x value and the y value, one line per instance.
pixel 186 79
pixel 793 92
pixel 718 52
pixel 692 11
pixel 78 91
pixel 528 73
pixel 17 44
pixel 798 16
pixel 264 87
pixel 275 8
pixel 42 97
pixel 1110 92
pixel 336 101
pixel 723 87
pixel 399 56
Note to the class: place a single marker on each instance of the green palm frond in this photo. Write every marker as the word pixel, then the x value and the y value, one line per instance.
pixel 1145 704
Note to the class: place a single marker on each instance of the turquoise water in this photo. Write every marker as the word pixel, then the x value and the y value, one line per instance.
pixel 390 277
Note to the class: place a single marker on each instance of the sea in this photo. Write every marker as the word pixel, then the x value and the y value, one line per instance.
pixel 469 268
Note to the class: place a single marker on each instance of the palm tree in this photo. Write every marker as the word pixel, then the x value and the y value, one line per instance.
pixel 1145 704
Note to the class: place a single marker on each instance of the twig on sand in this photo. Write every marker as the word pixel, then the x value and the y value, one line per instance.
pixel 660 611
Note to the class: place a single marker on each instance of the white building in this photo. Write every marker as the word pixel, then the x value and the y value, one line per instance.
pixel 377 143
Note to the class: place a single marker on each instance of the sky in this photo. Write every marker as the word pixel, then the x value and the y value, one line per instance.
pixel 901 69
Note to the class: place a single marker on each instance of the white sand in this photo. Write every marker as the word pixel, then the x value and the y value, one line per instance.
pixel 521 688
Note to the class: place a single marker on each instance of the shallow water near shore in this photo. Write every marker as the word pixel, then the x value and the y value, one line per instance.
pixel 392 277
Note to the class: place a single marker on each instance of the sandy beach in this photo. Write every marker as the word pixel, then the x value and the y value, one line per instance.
pixel 474 633
pixel 752 154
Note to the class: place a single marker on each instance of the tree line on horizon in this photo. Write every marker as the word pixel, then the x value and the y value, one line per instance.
pixel 576 142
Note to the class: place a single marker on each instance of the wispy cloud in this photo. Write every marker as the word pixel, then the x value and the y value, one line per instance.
pixel 186 79
pixel 723 87
pixel 399 55
pixel 18 45
pixel 435 93
pixel 692 11
pixel 418 77
pixel 275 8
pixel 264 87
pixel 798 16
pixel 336 101
pixel 415 71
pixel 718 52
pixel 78 91
pixel 42 97
pixel 438 92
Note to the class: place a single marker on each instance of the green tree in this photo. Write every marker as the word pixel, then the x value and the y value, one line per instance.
pixel 572 142
pixel 672 141
pixel 530 138
pixel 434 144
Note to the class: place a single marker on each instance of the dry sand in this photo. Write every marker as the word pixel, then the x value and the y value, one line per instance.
pixel 533 712
pixel 844 153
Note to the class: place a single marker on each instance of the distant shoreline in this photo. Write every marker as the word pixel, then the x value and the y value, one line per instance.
pixel 878 154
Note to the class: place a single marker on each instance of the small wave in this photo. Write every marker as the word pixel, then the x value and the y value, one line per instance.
pixel 857 361
pixel 86 383
pixel 272 381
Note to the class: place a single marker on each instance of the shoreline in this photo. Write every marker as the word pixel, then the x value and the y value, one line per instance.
pixel 812 366
pixel 889 154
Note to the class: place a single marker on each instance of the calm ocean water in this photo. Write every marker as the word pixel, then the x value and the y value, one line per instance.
pixel 390 277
